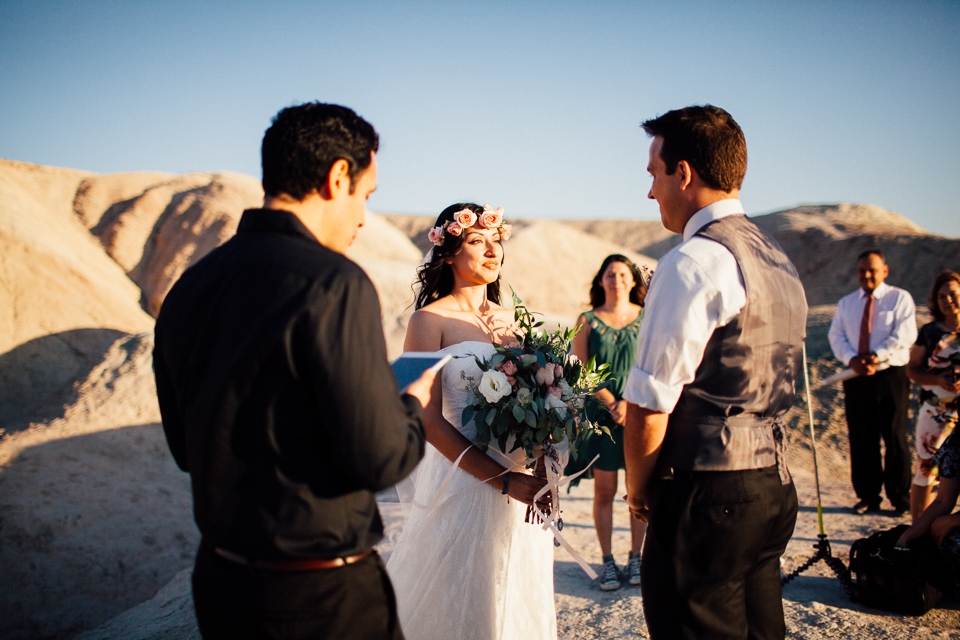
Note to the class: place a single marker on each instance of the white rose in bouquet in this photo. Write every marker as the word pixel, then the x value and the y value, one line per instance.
pixel 553 402
pixel 494 385
pixel 565 390
pixel 524 397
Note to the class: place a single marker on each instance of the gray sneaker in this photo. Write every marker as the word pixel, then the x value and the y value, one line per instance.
pixel 610 576
pixel 633 571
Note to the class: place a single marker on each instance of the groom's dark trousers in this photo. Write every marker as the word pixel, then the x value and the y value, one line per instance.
pixel 712 554
pixel 277 397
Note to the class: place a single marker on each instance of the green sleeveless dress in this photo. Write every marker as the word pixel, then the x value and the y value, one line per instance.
pixel 618 348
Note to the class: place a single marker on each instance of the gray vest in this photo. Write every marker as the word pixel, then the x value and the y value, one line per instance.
pixel 728 418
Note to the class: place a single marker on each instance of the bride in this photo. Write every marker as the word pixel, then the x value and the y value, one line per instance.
pixel 468 566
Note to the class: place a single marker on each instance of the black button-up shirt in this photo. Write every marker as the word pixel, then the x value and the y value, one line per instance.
pixel 276 395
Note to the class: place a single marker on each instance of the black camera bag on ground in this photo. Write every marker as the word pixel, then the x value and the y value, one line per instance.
pixel 909 581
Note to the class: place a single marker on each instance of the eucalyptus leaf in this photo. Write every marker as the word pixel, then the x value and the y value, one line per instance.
pixel 519 413
pixel 490 416
pixel 467 415
pixel 531 419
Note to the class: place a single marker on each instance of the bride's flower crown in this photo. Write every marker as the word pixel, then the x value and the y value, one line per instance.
pixel 489 218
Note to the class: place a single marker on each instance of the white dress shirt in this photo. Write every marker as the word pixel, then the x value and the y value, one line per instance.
pixel 697 288
pixel 892 334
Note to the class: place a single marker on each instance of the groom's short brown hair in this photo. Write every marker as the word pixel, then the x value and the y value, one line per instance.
pixel 708 138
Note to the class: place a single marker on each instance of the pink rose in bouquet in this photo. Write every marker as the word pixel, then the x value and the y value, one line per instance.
pixel 544 375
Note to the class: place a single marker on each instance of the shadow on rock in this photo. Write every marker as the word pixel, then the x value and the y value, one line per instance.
pixel 37 377
pixel 90 526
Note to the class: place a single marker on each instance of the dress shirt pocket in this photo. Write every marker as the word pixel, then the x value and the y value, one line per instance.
pixel 888 317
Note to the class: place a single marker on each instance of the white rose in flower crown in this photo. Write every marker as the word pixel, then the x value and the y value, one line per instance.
pixel 494 385
pixel 524 397
pixel 553 402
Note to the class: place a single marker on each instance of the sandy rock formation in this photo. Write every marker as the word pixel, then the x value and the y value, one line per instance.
pixel 63 302
pixel 823 241
pixel 156 226
pixel 551 266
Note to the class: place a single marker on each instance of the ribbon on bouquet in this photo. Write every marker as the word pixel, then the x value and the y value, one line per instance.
pixel 554 467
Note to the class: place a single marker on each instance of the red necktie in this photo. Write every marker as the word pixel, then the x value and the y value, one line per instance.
pixel 863 348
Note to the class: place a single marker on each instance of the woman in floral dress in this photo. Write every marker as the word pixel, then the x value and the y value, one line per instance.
pixel 935 364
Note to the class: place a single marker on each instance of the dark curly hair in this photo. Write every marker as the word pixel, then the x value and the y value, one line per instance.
pixel 304 142
pixel 942 278
pixel 597 294
pixel 435 278
pixel 708 138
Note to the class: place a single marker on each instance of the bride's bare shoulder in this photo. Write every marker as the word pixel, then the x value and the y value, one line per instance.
pixel 426 327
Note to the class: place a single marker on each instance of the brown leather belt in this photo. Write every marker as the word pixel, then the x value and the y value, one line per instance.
pixel 305 564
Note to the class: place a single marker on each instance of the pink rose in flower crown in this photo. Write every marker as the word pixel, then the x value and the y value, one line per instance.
pixel 544 376
pixel 509 367
pixel 436 236
pixel 465 218
pixel 491 218
pixel 506 231
pixel 454 229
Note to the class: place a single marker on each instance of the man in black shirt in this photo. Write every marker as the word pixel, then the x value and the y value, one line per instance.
pixel 277 398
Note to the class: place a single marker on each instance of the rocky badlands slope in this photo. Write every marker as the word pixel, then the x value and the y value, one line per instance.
pixel 94 516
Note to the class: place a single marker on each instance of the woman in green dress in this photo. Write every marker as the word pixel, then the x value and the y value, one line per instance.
pixel 609 331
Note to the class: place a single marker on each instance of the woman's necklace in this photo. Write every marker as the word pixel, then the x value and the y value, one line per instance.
pixel 620 320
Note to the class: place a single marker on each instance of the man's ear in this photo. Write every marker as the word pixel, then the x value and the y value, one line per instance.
pixel 686 173
pixel 338 180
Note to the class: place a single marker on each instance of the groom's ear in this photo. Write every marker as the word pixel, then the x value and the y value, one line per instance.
pixel 686 174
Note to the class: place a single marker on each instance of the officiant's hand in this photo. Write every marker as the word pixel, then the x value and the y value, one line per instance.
pixel 422 387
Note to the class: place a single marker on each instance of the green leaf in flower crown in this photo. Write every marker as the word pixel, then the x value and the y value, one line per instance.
pixel 467 414
pixel 519 413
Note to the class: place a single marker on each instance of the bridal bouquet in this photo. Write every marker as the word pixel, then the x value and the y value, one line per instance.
pixel 535 392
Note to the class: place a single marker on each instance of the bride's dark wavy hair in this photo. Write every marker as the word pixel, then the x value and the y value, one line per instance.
pixel 435 278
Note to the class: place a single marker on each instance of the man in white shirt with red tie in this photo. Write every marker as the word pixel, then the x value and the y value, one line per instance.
pixel 872 333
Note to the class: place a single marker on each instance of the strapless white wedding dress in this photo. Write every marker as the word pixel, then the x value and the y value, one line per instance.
pixel 471 568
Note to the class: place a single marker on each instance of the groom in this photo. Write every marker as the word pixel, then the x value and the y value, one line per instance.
pixel 276 397
pixel 718 354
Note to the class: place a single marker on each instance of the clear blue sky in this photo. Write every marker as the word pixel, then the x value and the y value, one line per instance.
pixel 534 106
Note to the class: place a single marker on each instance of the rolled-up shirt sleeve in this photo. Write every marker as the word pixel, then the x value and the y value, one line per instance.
pixel 696 288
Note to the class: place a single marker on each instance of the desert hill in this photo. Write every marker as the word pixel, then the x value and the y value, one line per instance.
pixel 823 242
pixel 94 516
